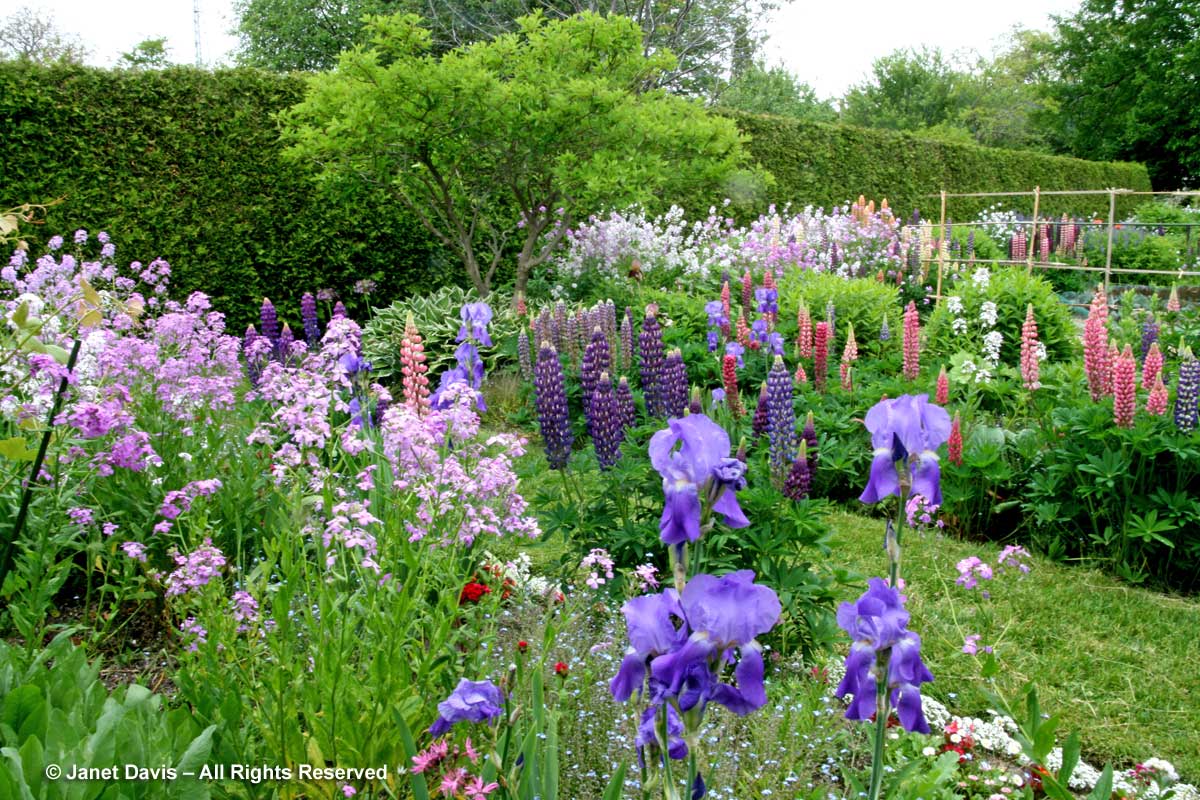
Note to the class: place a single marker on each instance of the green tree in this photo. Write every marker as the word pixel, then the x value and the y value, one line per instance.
pixel 1129 85
pixel 759 90
pixel 498 146
pixel 1009 103
pixel 909 90
pixel 146 54
pixel 710 38
pixel 28 35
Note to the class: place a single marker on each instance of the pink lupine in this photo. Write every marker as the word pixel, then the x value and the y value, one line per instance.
pixel 804 339
pixel 1152 366
pixel 413 368
pixel 801 375
pixel 743 331
pixel 849 356
pixel 955 442
pixel 912 342
pixel 1095 344
pixel 1029 351
pixel 821 355
pixel 1156 403
pixel 1173 300
pixel 726 311
pixel 747 291
pixel 1124 387
pixel 941 395
pixel 1109 368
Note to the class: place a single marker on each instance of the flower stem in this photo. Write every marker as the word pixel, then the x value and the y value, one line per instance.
pixel 881 718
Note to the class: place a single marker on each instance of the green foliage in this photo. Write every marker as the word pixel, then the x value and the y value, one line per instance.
pixel 1127 85
pixel 29 36
pixel 825 165
pixel 776 91
pixel 502 145
pixel 861 302
pixel 183 164
pixel 55 710
pixel 1136 248
pixel 909 90
pixel 1013 290
pixel 300 35
pixel 437 318
pixel 148 53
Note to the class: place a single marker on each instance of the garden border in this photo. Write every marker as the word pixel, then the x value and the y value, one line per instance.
pixel 1029 262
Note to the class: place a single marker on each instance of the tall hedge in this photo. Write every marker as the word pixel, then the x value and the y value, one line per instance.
pixel 184 164
pixel 822 164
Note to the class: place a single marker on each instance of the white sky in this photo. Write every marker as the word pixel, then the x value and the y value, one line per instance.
pixel 828 44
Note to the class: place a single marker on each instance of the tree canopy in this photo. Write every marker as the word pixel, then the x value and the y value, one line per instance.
pixel 29 35
pixel 497 146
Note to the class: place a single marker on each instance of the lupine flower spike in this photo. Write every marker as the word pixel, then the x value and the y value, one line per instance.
pixel 799 479
pixel 1173 301
pixel 608 429
pixel 1124 399
pixel 821 355
pixel 747 292
pixel 941 395
pixel 1095 344
pixel 849 356
pixel 1187 391
pixel 912 342
pixel 413 367
pixel 804 339
pixel 1030 364
pixel 650 348
pixel 1152 365
pixel 781 418
pixel 551 401
pixel 1156 402
pixel 312 325
pixel 955 443
pixel 758 425
pixel 729 379
pixel 885 332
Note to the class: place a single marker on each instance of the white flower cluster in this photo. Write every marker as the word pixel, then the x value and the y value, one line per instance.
pixel 987 314
pixel 519 570
pixel 999 223
pixel 991 346
pixel 981 278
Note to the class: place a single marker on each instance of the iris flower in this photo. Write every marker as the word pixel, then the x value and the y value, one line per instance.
pixel 906 432
pixel 877 623
pixel 476 316
pixel 690 471
pixel 471 701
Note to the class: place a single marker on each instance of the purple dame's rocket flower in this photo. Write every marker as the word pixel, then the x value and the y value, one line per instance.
pixel 475 319
pixel 471 701
pixel 877 623
pixel 690 471
pixel 906 433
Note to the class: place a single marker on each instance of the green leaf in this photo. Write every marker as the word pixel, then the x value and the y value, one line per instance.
pixel 17 449
pixel 616 784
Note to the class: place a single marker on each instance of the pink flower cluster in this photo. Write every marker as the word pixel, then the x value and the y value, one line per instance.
pixel 912 342
pixel 196 569
pixel 600 566
pixel 1030 364
pixel 1124 388
pixel 1095 346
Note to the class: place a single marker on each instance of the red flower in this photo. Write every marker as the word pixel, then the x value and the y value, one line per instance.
pixel 561 669
pixel 472 592
pixel 522 647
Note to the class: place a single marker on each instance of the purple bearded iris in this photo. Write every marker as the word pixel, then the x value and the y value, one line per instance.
pixel 735 349
pixel 722 614
pixel 768 300
pixel 476 316
pixel 876 622
pixel 471 701
pixel 691 470
pixel 716 314
pixel 908 429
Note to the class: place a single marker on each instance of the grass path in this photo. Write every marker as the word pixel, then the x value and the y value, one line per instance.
pixel 1120 664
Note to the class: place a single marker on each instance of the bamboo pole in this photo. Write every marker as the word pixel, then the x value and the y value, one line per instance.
pixel 1033 238
pixel 1112 213
pixel 942 249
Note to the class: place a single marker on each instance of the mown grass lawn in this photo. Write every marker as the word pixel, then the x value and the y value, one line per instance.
pixel 1119 663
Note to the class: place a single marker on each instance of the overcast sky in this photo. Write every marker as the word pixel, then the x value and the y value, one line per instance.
pixel 828 44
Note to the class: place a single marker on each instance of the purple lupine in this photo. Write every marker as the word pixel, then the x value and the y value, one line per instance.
pixel 1187 392
pixel 799 479
pixel 674 385
pixel 971 244
pixel 551 400
pixel 283 349
pixel 596 359
pixel 524 359
pixel 809 435
pixel 694 405
pixel 560 327
pixel 544 333
pixel 758 425
pixel 471 701
pixel 1149 335
pixel 885 333
pixel 610 323
pixel 905 434
pixel 308 315
pixel 571 337
pixel 650 348
pixel 253 362
pixel 628 342
pixel 701 465
pixel 877 623
pixel 781 417
pixel 269 322
pixel 625 404
pixel 608 430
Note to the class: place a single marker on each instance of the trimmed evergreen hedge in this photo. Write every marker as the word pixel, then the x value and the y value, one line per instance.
pixel 825 165
pixel 184 164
